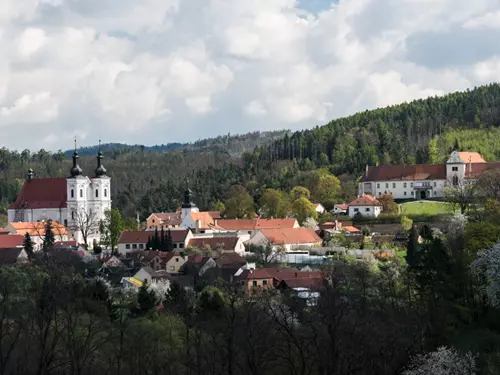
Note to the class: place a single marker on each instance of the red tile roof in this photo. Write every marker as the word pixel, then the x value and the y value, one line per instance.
pixel 197 259
pixel 230 259
pixel 341 206
pixel 291 236
pixel 405 172
pixel 478 169
pixel 227 243
pixel 8 241
pixel 42 193
pixel 37 228
pixel 471 157
pixel 206 220
pixel 169 218
pixel 312 283
pixel 254 224
pixel 65 244
pixel 365 200
pixel 178 235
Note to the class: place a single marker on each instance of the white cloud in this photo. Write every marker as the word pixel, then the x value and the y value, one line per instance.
pixel 157 71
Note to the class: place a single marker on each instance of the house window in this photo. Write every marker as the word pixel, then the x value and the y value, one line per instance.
pixel 264 282
pixel 181 245
pixel 405 192
pixel 176 259
pixel 254 283
pixel 72 193
pixel 435 184
pixel 379 193
pixel 96 193
pixel 412 193
pixel 411 184
pixel 404 185
pixel 172 268
pixel 367 210
pixel 394 185
pixel 455 180
pixel 454 169
pixel 105 192
pixel 81 193
pixel 141 246
pixel 134 246
pixel 153 221
pixel 356 209
pixel 386 184
pixel 378 186
pixel 127 246
pixel 65 222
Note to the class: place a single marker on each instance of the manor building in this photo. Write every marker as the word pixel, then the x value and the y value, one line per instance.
pixel 78 202
pixel 423 181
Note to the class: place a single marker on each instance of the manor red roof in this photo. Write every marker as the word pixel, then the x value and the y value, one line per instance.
pixel 405 172
pixel 42 193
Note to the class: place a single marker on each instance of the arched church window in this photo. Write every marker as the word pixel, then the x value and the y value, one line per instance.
pixel 105 192
pixel 97 193
pixel 81 193
pixel 73 215
pixel 455 180
pixel 72 193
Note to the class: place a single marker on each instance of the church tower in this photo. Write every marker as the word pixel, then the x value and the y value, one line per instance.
pixel 77 191
pixel 188 204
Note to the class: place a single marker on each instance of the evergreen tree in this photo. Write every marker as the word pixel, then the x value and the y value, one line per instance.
pixel 149 244
pixel 163 245
pixel 156 240
pixel 146 299
pixel 49 239
pixel 28 246
pixel 169 245
pixel 412 248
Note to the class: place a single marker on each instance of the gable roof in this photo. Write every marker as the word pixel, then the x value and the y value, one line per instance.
pixel 227 243
pixel 37 228
pixel 11 240
pixel 168 218
pixel 405 172
pixel 42 193
pixel 471 157
pixel 365 200
pixel 206 220
pixel 178 235
pixel 290 236
pixel 312 283
pixel 230 259
pixel 254 224
pixel 341 206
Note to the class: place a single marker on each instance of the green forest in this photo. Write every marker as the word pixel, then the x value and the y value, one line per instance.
pixel 153 178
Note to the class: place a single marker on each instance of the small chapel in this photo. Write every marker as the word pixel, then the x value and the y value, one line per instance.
pixel 77 201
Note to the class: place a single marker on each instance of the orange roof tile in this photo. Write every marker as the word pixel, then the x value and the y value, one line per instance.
pixel 253 224
pixel 291 236
pixel 206 220
pixel 38 228
pixel 471 157
pixel 365 200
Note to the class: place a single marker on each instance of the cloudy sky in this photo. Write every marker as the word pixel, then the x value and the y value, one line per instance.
pixel 159 71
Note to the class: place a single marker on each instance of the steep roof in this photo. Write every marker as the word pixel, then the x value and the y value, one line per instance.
pixel 227 243
pixel 291 236
pixel 42 193
pixel 471 157
pixel 11 240
pixel 37 228
pixel 254 224
pixel 178 235
pixel 205 218
pixel 405 172
pixel 365 200
pixel 230 259
pixel 168 218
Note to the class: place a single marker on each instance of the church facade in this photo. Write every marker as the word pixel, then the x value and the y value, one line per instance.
pixel 78 201
pixel 423 181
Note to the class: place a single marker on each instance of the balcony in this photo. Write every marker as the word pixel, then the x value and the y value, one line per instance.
pixel 422 185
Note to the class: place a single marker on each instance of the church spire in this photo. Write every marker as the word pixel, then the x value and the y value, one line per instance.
pixel 100 170
pixel 75 170
pixel 188 197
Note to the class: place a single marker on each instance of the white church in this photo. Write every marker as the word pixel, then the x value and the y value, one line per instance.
pixel 79 202
pixel 423 181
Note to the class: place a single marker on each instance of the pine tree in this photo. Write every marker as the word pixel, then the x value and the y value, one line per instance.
pixel 163 246
pixel 149 244
pixel 49 239
pixel 156 240
pixel 412 248
pixel 28 246
pixel 169 245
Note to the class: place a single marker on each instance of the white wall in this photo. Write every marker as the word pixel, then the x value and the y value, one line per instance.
pixel 367 211
pixel 403 189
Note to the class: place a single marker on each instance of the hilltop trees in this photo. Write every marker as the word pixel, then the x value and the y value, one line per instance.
pixel 240 204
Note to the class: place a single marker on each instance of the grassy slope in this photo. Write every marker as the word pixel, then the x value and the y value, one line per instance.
pixel 426 208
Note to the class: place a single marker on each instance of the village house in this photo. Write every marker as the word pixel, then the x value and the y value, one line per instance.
pixel 8 241
pixel 172 261
pixel 36 230
pixel 340 209
pixel 365 205
pixel 69 201
pixel 137 240
pixel 423 181
pixel 250 227
pixel 218 244
pixel 320 209
pixel 157 221
pixel 286 238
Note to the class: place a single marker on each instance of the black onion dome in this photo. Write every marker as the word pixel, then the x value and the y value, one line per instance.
pixel 75 170
pixel 100 170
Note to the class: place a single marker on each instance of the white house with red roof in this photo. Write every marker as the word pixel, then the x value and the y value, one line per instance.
pixel 423 181
pixel 365 205
pixel 71 201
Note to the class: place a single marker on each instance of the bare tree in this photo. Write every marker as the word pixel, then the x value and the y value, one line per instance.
pixel 461 193
pixel 86 222
pixel 489 184
pixel 265 254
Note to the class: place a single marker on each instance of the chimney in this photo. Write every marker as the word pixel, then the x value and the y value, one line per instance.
pixel 30 174
pixel 197 225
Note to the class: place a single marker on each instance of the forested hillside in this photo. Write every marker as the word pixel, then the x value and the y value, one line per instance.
pixel 147 179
